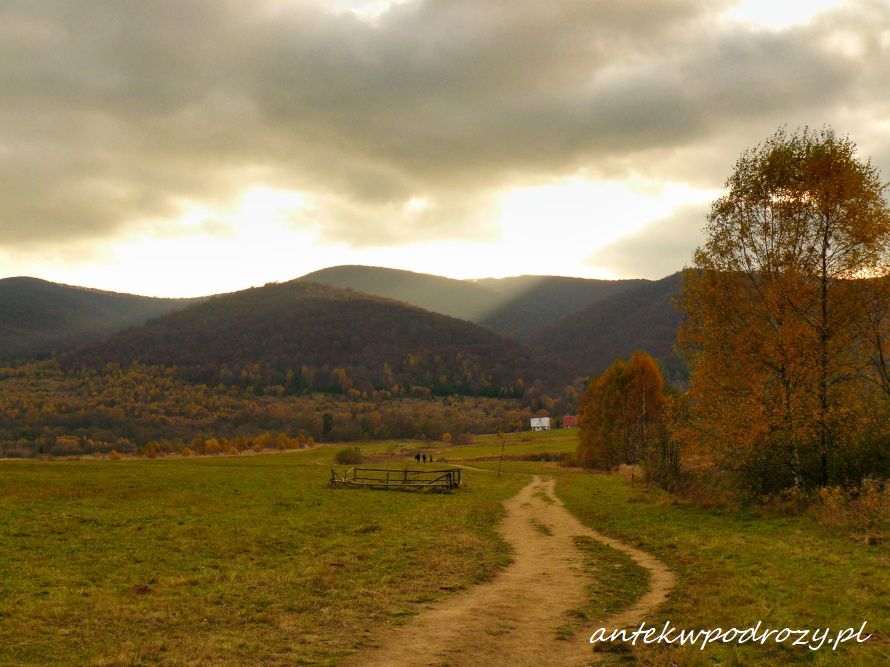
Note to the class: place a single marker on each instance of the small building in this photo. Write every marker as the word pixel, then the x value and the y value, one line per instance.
pixel 540 423
pixel 570 421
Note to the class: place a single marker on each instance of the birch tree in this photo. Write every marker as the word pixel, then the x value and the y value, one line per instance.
pixel 779 325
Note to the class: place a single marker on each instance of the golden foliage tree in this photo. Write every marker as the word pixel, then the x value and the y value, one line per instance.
pixel 780 321
pixel 621 416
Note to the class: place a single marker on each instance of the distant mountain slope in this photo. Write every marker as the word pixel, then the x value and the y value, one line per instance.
pixel 642 317
pixel 457 298
pixel 517 306
pixel 38 318
pixel 529 303
pixel 303 336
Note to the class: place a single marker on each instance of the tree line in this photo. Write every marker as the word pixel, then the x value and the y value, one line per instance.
pixel 147 409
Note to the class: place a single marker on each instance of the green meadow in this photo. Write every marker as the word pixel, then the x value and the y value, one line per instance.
pixel 253 559
pixel 224 559
pixel 735 568
pixel 525 443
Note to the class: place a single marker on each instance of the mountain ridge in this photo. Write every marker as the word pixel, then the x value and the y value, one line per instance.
pixel 579 324
pixel 304 336
pixel 643 317
pixel 39 317
pixel 448 296
pixel 516 306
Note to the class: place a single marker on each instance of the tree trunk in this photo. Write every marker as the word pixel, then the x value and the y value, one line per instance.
pixel 823 357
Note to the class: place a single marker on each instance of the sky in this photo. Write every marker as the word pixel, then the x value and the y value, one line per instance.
pixel 189 147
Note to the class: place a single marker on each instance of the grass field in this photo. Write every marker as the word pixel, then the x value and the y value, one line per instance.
pixel 737 567
pixel 223 560
pixel 253 560
pixel 558 441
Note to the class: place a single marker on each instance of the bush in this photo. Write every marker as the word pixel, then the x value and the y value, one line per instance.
pixel 630 471
pixel 66 445
pixel 463 439
pixel 864 511
pixel 348 456
pixel 114 456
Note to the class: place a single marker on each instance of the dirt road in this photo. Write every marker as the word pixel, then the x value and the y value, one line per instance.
pixel 513 619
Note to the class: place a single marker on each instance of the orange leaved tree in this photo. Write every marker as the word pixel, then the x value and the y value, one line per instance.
pixel 621 416
pixel 781 324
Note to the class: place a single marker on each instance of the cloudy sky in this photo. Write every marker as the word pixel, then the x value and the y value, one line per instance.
pixel 184 147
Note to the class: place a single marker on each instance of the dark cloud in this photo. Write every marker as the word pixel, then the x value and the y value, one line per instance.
pixel 119 110
pixel 658 250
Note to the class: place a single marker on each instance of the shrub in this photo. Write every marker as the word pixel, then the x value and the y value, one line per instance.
pixel 114 456
pixel 863 511
pixel 570 460
pixel 630 471
pixel 348 456
pixel 463 439
pixel 66 445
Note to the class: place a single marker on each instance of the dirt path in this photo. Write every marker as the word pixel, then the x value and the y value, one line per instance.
pixel 513 619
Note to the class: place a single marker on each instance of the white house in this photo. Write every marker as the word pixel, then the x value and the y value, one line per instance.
pixel 540 423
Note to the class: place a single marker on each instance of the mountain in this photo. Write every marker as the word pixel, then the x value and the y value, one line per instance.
pixel 302 336
pixel 457 298
pixel 642 317
pixel 39 318
pixel 530 303
pixel 581 324
pixel 517 306
pixel 585 324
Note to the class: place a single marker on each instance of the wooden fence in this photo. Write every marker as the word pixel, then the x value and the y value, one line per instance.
pixel 406 480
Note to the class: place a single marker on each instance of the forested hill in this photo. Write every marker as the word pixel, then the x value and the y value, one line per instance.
pixel 584 323
pixel 517 306
pixel 299 336
pixel 457 298
pixel 643 317
pixel 527 304
pixel 39 318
